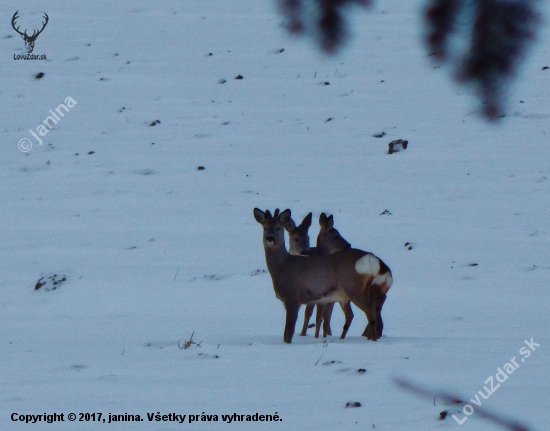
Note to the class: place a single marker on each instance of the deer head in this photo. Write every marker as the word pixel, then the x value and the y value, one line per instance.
pixel 329 239
pixel 29 40
pixel 274 232
pixel 298 238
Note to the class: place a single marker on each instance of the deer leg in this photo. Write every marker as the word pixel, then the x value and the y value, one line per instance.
pixel 326 319
pixel 292 309
pixel 370 330
pixel 378 303
pixel 376 299
pixel 364 303
pixel 348 313
pixel 319 318
pixel 307 316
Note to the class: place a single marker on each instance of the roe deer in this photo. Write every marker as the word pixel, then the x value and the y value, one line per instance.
pixel 349 274
pixel 299 245
pixel 329 239
pixel 298 238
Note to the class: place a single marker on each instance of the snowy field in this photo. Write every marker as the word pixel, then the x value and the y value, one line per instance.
pixel 154 249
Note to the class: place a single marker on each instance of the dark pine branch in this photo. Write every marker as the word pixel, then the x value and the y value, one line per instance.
pixel 498 34
pixel 500 37
pixel 326 20
pixel 441 16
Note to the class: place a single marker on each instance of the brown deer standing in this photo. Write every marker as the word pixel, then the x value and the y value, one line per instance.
pixel 349 274
pixel 331 242
pixel 298 245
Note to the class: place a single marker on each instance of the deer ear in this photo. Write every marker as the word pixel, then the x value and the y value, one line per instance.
pixel 290 225
pixel 322 220
pixel 284 217
pixel 330 222
pixel 306 222
pixel 259 215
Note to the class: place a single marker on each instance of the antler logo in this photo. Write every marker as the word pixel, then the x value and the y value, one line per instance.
pixel 29 40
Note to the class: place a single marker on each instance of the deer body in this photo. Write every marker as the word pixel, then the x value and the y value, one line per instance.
pixel 306 280
pixel 298 241
pixel 330 243
pixel 329 240
pixel 349 274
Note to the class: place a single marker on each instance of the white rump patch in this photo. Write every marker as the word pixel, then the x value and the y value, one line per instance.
pixel 384 281
pixel 368 264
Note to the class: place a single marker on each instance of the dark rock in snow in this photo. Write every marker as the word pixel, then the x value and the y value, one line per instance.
pixel 331 362
pixel 50 282
pixel 144 172
pixel 397 145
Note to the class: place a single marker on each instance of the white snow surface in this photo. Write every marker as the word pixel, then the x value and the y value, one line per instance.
pixel 155 250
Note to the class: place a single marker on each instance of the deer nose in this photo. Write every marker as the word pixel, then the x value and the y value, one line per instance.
pixel 270 239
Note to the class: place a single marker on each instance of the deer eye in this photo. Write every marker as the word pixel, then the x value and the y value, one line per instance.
pixel 278 229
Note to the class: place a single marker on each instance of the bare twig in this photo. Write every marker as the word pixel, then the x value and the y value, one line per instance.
pixel 189 343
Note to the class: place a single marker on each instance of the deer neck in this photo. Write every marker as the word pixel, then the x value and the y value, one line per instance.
pixel 321 250
pixel 276 257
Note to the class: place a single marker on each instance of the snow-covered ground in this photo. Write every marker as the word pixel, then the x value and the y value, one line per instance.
pixel 154 250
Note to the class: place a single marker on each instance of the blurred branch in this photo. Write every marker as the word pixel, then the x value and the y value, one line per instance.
pixel 449 398
pixel 325 19
pixel 498 34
